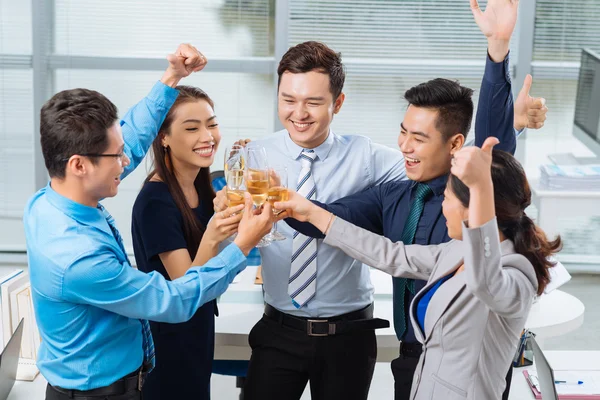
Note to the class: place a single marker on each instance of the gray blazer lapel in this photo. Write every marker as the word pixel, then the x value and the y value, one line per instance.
pixel 443 298
pixel 445 294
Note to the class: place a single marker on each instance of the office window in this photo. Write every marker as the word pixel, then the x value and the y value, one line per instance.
pixel 563 27
pixel 153 28
pixel 15 27
pixel 375 105
pixel 16 109
pixel 388 47
pixel 16 141
pixel 409 29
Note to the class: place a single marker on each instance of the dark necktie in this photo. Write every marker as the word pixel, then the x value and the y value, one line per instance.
pixel 147 341
pixel 401 285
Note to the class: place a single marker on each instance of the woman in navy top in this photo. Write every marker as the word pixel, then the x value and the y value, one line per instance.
pixel 172 230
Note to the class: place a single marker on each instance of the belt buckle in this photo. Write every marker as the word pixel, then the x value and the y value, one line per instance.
pixel 309 328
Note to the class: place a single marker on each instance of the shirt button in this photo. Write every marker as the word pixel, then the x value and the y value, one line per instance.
pixel 487 246
pixel 486 240
pixel 487 254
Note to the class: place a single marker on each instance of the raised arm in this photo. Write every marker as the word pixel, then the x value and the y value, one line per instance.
pixel 377 251
pixel 141 123
pixel 396 259
pixel 101 280
pixel 506 291
pixel 364 209
pixel 495 111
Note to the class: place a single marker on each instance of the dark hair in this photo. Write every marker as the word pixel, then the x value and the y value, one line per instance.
pixel 453 102
pixel 74 121
pixel 511 196
pixel 314 56
pixel 163 167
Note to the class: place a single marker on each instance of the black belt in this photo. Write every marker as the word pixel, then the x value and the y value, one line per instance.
pixel 128 383
pixel 411 350
pixel 354 321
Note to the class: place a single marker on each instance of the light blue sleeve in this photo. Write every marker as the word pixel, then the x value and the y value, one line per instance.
pixel 102 281
pixel 385 164
pixel 141 123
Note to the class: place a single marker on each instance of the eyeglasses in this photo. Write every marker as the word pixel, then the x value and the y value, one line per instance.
pixel 120 156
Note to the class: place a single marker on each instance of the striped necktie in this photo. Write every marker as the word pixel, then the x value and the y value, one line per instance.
pixel 147 341
pixel 401 285
pixel 303 273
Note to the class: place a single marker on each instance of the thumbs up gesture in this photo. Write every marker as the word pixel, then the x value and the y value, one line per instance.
pixel 530 112
pixel 473 165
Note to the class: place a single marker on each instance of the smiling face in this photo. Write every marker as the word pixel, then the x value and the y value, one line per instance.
pixel 193 136
pixel 426 153
pixel 306 107
pixel 104 176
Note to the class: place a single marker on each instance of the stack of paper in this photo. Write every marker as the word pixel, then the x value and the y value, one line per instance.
pixel 570 177
pixel 16 304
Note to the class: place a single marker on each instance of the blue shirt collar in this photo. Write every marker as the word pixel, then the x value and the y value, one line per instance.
pixel 322 150
pixel 81 213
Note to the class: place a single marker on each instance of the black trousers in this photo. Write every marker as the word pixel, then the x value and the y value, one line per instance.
pixel 403 369
pixel 52 394
pixel 284 360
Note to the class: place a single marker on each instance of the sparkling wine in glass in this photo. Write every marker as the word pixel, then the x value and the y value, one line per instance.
pixel 257 178
pixel 278 191
pixel 234 158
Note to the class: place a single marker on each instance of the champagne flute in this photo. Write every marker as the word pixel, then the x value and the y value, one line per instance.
pixel 235 189
pixel 277 192
pixel 257 179
pixel 234 158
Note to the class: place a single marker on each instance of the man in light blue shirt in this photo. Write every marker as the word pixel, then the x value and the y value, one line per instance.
pixel 91 306
pixel 336 354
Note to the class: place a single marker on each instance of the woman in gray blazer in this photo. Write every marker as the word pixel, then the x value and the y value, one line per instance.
pixel 481 284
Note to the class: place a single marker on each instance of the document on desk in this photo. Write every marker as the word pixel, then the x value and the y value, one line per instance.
pixel 590 385
pixel 589 389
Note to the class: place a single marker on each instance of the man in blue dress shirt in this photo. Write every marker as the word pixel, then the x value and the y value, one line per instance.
pixel 91 306
pixel 434 127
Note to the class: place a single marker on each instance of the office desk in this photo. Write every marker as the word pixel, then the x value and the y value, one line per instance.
pixel 559 360
pixel 554 314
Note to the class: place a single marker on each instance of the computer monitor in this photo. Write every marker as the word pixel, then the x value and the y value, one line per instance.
pixel 545 374
pixel 9 362
pixel 586 126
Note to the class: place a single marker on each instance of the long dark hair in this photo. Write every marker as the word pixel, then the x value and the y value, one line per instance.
pixel 511 196
pixel 163 168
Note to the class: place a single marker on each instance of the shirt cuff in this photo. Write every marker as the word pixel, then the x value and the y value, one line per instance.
pixel 233 258
pixel 497 72
pixel 163 95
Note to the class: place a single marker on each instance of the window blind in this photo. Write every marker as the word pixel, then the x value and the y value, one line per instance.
pixel 15 27
pixel 154 28
pixel 408 29
pixel 388 47
pixel 16 141
pixel 563 27
pixel 16 111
